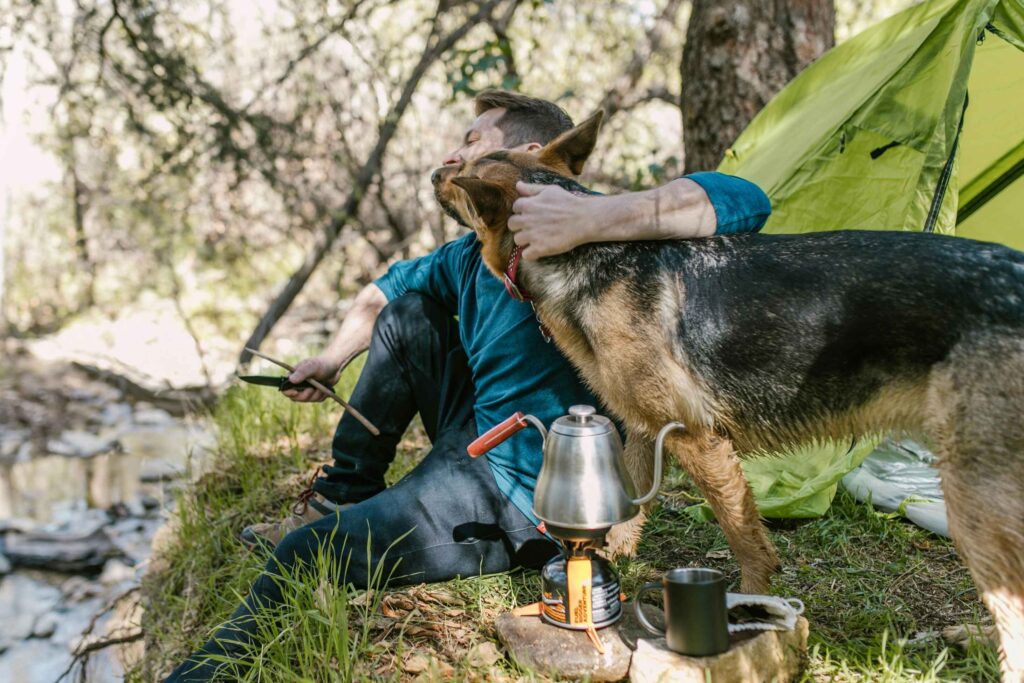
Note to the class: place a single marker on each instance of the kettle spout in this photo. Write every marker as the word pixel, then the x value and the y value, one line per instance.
pixel 658 462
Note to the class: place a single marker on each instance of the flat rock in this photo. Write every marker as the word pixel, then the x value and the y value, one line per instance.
pixel 60 551
pixel 563 653
pixel 777 656
pixel 79 444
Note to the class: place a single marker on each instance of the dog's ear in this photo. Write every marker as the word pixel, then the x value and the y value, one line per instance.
pixel 571 149
pixel 486 197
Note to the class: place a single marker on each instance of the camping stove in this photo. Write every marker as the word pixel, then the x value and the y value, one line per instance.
pixel 583 489
pixel 580 590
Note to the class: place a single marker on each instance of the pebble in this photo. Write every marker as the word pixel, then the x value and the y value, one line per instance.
pixel 45 626
pixel 5 565
pixel 115 571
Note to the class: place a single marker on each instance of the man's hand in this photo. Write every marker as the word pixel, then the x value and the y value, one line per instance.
pixel 548 220
pixel 319 368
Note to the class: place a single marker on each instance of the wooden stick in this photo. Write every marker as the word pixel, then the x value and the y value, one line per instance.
pixel 355 413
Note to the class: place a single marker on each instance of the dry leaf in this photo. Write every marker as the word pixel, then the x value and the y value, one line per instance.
pixel 415 664
pixel 483 655
pixel 718 555
pixel 362 599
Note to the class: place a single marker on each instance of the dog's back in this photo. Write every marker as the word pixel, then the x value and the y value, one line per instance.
pixel 808 328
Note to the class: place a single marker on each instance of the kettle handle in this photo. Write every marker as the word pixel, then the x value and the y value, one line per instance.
pixel 658 458
pixel 502 431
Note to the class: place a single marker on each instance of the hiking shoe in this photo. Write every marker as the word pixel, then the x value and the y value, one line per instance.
pixel 310 507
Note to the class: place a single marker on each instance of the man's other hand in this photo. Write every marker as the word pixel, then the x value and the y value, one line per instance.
pixel 319 368
pixel 548 220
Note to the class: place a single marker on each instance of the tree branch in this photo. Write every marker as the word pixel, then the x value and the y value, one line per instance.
pixel 370 169
pixel 627 81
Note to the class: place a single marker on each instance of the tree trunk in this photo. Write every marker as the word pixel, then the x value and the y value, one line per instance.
pixel 738 54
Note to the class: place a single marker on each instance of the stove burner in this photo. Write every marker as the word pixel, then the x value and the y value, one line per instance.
pixel 588 585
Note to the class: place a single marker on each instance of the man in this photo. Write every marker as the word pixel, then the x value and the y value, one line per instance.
pixel 453 515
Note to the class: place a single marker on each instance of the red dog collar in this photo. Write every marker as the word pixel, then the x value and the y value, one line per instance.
pixel 511 271
pixel 517 291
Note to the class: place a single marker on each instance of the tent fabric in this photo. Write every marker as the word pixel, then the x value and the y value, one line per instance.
pixel 895 129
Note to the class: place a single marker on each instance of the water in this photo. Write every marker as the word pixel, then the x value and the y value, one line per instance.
pixel 126 491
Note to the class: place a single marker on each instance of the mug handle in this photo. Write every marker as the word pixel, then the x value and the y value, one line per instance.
pixel 638 607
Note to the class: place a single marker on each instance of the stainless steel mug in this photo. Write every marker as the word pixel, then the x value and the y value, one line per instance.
pixel 696 621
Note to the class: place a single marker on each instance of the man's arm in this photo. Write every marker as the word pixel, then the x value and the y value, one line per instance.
pixel 548 220
pixel 352 338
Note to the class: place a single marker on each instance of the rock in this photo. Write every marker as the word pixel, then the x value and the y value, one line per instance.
pixel 159 470
pixel 116 413
pixel 5 565
pixel 24 600
pixel 563 653
pixel 766 656
pixel 11 442
pixel 79 589
pixel 74 443
pixel 45 626
pixel 61 552
pixel 153 417
pixel 116 571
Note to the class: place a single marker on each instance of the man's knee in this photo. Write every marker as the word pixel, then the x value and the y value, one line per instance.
pixel 408 314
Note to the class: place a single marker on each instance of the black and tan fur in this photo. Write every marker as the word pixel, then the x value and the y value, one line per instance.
pixel 759 342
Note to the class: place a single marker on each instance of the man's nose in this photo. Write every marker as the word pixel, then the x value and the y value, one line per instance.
pixel 452 158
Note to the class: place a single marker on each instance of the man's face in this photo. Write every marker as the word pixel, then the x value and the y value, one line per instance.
pixel 482 137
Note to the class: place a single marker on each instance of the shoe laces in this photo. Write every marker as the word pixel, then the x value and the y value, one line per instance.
pixel 302 504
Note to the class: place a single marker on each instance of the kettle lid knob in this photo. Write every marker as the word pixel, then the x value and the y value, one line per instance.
pixel 582 413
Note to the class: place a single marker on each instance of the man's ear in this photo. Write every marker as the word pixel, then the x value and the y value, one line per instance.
pixel 571 148
pixel 487 198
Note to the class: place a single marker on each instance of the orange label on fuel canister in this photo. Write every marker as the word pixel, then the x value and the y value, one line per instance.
pixel 579 579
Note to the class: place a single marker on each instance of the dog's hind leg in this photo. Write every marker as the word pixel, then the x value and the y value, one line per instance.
pixel 714 466
pixel 980 437
pixel 639 456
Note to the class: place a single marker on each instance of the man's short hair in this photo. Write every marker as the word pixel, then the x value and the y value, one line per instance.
pixel 526 119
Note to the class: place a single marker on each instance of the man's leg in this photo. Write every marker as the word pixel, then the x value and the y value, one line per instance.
pixel 406 371
pixel 444 519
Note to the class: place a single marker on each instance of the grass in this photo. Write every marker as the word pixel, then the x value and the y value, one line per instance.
pixel 878 590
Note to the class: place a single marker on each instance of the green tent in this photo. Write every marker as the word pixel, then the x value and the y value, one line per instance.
pixel 915 124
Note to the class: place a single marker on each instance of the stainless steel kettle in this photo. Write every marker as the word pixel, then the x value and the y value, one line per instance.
pixel 583 487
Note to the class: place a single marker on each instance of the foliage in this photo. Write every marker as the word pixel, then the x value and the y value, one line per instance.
pixel 201 148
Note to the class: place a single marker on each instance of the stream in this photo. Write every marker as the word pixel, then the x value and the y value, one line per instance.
pixel 87 476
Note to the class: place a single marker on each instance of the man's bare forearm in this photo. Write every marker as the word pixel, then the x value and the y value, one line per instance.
pixel 353 337
pixel 677 210
pixel 548 220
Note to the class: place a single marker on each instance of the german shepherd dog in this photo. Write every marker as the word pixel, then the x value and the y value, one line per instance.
pixel 761 342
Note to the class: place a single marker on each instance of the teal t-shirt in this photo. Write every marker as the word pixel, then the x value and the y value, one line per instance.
pixel 513 368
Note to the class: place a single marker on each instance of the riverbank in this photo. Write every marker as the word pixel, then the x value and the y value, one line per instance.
pixel 87 477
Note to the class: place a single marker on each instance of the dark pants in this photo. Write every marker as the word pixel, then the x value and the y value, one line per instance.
pixel 448 513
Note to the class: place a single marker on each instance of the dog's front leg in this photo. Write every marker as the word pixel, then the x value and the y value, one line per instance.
pixel 715 468
pixel 639 457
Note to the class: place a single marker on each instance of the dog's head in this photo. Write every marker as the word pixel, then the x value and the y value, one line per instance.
pixel 479 193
